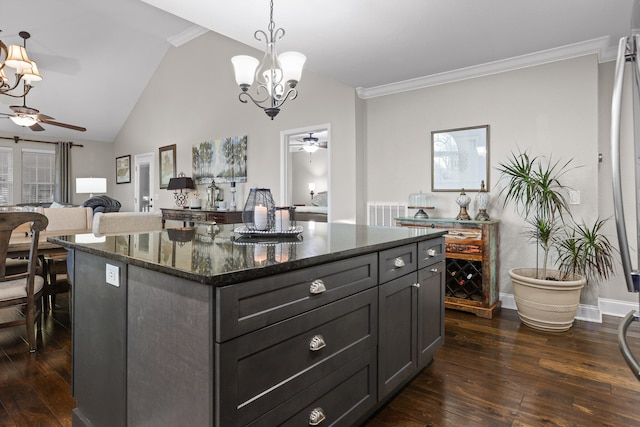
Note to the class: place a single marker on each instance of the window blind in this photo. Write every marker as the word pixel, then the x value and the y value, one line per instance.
pixel 6 176
pixel 38 176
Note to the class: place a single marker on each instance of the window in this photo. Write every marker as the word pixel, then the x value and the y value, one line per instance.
pixel 38 176
pixel 6 176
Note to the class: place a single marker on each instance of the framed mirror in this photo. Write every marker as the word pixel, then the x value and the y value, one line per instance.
pixel 460 159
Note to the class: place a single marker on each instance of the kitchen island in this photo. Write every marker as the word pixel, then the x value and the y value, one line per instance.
pixel 206 327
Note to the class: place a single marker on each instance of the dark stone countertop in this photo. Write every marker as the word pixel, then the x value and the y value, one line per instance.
pixel 216 255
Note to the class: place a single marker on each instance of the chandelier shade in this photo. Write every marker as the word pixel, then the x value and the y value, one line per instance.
pixel 26 70
pixel 17 57
pixel 276 76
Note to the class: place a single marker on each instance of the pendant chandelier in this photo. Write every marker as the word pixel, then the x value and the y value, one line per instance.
pixel 26 70
pixel 276 76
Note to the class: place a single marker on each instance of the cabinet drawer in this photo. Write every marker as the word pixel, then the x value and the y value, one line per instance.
pixel 342 397
pixel 249 306
pixel 430 252
pixel 397 262
pixel 266 368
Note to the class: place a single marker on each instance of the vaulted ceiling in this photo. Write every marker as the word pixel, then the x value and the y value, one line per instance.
pixel 97 56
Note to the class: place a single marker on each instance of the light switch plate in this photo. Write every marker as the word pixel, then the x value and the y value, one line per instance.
pixel 574 197
pixel 113 275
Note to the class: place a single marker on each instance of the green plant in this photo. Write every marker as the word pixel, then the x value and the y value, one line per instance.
pixel 533 186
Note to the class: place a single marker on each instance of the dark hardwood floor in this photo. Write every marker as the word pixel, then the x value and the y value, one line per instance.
pixel 489 373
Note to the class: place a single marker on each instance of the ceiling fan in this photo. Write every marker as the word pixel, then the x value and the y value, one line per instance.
pixel 310 144
pixel 31 118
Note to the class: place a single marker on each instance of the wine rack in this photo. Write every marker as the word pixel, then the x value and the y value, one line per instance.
pixel 471 263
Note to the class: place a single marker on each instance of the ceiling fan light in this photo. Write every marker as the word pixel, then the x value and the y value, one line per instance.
pixel 25 121
pixel 17 58
pixel 310 148
pixel 245 70
pixel 31 74
pixel 292 64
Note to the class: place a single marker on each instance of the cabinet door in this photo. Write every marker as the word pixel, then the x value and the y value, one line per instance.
pixel 99 340
pixel 397 353
pixel 430 311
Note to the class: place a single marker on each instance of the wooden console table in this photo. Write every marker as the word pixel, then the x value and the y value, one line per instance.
pixel 200 216
pixel 472 263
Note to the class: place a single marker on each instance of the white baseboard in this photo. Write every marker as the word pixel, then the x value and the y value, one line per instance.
pixel 612 307
pixel 589 313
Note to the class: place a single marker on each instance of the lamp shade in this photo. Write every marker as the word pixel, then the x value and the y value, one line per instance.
pixel 31 74
pixel 245 69
pixel 292 63
pixel 180 183
pixel 91 185
pixel 17 57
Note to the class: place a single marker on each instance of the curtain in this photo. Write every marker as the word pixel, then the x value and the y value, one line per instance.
pixel 63 185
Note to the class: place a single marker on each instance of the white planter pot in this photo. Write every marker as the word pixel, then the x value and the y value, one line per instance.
pixel 547 305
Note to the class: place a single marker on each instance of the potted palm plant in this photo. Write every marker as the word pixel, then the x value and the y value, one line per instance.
pixel 547 299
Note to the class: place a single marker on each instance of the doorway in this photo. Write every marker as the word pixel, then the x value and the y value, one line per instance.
pixel 305 166
pixel 144 173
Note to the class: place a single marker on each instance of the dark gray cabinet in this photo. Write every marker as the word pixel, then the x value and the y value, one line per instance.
pixel 99 365
pixel 326 344
pixel 411 313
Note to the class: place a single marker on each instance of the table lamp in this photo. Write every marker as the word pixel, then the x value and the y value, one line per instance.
pixel 184 184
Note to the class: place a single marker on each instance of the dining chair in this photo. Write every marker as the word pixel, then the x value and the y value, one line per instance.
pixel 22 290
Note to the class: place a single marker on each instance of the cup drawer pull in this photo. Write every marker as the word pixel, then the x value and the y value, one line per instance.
pixel 316 417
pixel 432 252
pixel 434 270
pixel 317 287
pixel 399 262
pixel 317 343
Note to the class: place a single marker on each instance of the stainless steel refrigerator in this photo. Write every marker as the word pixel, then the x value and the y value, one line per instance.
pixel 627 61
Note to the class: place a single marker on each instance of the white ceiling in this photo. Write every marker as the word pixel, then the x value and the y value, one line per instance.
pixel 96 56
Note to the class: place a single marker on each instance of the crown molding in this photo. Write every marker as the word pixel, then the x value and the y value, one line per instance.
pixel 599 46
pixel 187 35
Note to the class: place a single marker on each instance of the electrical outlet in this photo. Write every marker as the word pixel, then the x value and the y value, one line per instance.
pixel 113 275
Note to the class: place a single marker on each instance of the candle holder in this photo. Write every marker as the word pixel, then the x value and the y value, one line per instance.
pixel 463 201
pixel 258 213
pixel 482 202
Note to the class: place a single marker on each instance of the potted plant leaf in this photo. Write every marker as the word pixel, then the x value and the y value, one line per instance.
pixel 548 299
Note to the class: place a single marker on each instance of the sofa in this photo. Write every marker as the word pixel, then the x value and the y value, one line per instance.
pixel 72 220
pixel 125 222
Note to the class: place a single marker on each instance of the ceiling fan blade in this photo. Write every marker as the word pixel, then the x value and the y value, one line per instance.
pixel 64 125
pixel 36 127
pixel 7 114
pixel 42 117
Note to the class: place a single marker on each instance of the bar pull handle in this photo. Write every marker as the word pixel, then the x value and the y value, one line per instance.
pixel 317 287
pixel 616 108
pixel 399 262
pixel 316 417
pixel 317 343
pixel 632 362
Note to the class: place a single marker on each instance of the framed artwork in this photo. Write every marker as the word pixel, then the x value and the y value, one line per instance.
pixel 123 169
pixel 222 160
pixel 460 159
pixel 167 156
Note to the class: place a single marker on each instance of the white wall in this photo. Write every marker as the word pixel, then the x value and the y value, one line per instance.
pixel 306 169
pixel 94 159
pixel 193 97
pixel 550 109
